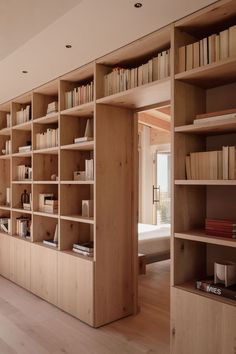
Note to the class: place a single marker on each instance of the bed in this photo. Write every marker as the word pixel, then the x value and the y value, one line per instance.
pixel 153 244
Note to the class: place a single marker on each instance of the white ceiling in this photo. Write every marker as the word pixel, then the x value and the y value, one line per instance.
pixel 33 34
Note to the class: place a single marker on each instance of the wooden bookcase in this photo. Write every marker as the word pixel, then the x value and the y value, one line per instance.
pixel 102 288
pixel 201 322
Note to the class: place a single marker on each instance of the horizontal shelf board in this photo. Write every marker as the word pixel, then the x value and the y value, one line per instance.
pixel 83 110
pixel 77 182
pixel 22 154
pixel 50 118
pixel 27 126
pixel 211 75
pixel 22 182
pixel 200 236
pixel 4 207
pixel 21 210
pixel 204 182
pixel 78 218
pixel 5 131
pixel 141 96
pixel 21 238
pixel 48 215
pixel 45 182
pixel 4 233
pixel 40 243
pixel 52 150
pixel 211 128
pixel 5 157
pixel 87 145
pixel 72 253
pixel 189 286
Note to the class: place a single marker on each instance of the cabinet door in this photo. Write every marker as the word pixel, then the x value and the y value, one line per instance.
pixel 202 325
pixel 20 262
pixel 44 272
pixel 5 255
pixel 75 286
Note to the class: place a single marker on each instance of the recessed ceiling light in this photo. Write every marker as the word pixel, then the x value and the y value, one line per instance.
pixel 24 72
pixel 138 5
pixel 68 46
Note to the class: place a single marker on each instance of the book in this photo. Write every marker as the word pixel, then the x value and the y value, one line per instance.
pixel 83 253
pixel 212 48
pixel 224 44
pixel 225 151
pixel 85 246
pixel 208 286
pixel 232 41
pixel 196 54
pixel 189 57
pixel 82 139
pixel 50 243
pixel 25 148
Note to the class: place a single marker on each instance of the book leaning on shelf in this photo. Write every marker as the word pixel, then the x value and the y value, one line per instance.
pixel 121 79
pixel 5 225
pixel 54 241
pixel 212 165
pixel 208 50
pixel 88 134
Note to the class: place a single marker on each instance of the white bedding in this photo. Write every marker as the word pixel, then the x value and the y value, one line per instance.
pixel 153 239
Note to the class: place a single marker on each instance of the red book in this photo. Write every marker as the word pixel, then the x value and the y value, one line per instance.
pixel 220 234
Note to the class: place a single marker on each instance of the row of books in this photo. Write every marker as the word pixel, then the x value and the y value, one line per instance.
pixel 220 227
pixel 121 79
pixel 208 285
pixel 24 172
pixel 79 95
pixel 47 139
pixel 48 203
pixel 88 174
pixel 85 248
pixel 52 107
pixel 212 165
pixel 208 50
pixel 5 225
pixel 8 148
pixel 24 115
pixel 23 227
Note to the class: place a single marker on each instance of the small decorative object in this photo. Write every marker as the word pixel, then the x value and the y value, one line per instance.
pixel 25 198
pixel 225 273
pixel 53 177
pixel 3 151
pixel 79 175
pixel 87 208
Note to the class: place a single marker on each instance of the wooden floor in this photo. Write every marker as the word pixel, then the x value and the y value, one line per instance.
pixel 29 325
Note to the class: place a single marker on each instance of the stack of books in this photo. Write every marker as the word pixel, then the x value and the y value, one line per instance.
pixel 79 95
pixel 212 165
pixel 24 172
pixel 23 226
pixel 48 203
pixel 8 120
pixel 121 79
pixel 25 148
pixel 52 107
pixel 5 225
pixel 85 249
pixel 24 115
pixel 207 285
pixel 47 139
pixel 208 50
pixel 220 227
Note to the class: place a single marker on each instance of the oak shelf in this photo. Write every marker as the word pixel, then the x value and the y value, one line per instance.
pixel 200 236
pixel 213 128
pixel 194 182
pixel 87 146
pixel 83 110
pixel 50 118
pixel 52 150
pixel 5 131
pixel 27 126
pixel 48 215
pixel 78 218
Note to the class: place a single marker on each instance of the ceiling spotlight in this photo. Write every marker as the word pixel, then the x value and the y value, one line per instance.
pixel 138 5
pixel 68 46
pixel 24 72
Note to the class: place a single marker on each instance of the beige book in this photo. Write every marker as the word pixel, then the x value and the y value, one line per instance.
pixel 196 54
pixel 182 59
pixel 212 48
pixel 193 165
pixel 225 151
pixel 155 69
pixel 201 53
pixel 188 168
pixel 205 51
pixel 224 44
pixel 231 162
pixel 217 43
pixel 220 165
pixel 232 41
pixel 189 57
pixel 213 168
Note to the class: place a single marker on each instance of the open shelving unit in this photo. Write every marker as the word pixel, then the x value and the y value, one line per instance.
pixel 205 89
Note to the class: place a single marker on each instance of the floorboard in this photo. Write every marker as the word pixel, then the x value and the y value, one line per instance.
pixel 29 325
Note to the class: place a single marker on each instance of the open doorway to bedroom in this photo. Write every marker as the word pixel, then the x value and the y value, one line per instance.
pixel 154 131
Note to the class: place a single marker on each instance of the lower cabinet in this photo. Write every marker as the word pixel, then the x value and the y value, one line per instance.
pixel 20 262
pixel 44 272
pixel 5 255
pixel 75 287
pixel 201 325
